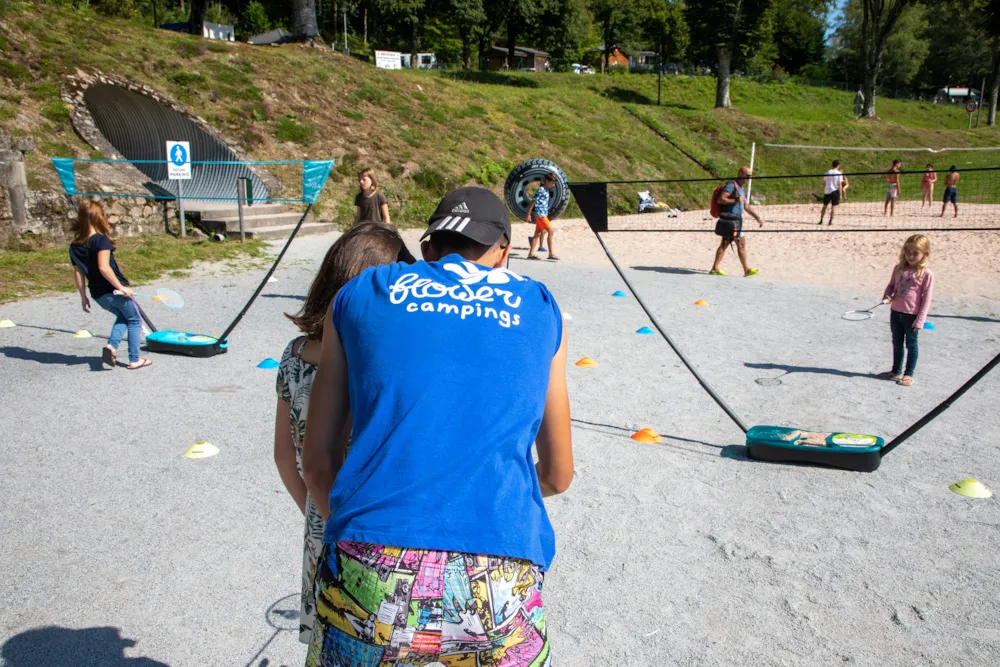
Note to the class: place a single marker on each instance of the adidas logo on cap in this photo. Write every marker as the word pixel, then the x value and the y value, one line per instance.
pixel 461 208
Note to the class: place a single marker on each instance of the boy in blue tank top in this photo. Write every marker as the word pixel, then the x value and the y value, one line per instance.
pixel 437 537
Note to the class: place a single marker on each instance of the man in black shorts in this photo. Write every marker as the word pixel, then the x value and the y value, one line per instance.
pixel 834 183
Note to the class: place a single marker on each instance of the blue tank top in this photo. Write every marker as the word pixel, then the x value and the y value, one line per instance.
pixel 447 375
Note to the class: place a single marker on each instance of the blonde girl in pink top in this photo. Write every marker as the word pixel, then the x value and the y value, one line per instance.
pixel 927 186
pixel 910 290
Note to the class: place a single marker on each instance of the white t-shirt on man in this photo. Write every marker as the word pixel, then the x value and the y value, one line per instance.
pixel 832 180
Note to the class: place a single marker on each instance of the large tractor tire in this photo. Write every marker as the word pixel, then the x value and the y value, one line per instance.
pixel 515 188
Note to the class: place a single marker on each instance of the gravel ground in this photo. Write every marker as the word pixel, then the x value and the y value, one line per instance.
pixel 118 548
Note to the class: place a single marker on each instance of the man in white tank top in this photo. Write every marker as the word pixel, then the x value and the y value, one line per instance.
pixel 834 183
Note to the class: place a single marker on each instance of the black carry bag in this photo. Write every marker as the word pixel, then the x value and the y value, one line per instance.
pixel 729 226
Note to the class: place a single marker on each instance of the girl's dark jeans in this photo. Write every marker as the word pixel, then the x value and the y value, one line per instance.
pixel 901 325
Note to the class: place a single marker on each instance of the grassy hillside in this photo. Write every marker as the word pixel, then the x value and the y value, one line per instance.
pixel 427 131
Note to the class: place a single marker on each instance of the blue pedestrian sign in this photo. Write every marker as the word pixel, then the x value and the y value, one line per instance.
pixel 178 160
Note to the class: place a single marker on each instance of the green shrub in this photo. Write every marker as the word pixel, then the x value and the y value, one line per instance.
pixel 410 137
pixel 13 71
pixel 189 48
pixel 396 170
pixel 217 46
pixel 56 111
pixel 44 90
pixel 491 173
pixel 432 180
pixel 116 8
pixel 371 95
pixel 253 21
pixel 353 115
pixel 289 129
pixel 185 79
pixel 471 111
pixel 218 13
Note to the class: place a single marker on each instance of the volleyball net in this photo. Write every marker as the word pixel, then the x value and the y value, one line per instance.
pixel 870 200
pixel 281 181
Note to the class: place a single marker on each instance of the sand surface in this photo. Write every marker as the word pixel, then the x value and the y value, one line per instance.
pixel 116 547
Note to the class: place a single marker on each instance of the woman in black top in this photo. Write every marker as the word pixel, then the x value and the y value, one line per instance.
pixel 92 254
pixel 371 203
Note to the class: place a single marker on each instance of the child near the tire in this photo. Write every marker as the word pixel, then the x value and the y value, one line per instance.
pixel 539 213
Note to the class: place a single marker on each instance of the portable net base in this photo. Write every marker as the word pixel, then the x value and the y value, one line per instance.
pixel 847 451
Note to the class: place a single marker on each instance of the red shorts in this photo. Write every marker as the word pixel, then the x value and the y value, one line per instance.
pixel 542 224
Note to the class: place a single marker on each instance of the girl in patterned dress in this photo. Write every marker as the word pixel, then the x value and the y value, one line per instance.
pixel 365 245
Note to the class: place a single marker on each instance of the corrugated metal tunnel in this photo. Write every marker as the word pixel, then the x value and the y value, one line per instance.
pixel 139 126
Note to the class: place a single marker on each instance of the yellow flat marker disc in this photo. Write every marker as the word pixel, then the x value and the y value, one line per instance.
pixel 7 324
pixel 971 488
pixel 83 333
pixel 201 450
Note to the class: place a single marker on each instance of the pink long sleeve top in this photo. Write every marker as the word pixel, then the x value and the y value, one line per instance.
pixel 910 295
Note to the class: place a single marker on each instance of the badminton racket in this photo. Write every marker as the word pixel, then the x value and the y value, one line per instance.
pixel 164 296
pixel 860 315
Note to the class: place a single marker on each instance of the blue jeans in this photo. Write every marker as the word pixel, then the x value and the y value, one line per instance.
pixel 901 325
pixel 127 317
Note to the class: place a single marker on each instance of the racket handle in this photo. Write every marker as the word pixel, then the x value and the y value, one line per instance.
pixel 117 292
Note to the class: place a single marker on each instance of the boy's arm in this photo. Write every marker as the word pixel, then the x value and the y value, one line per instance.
pixel 324 448
pixel 531 207
pixel 554 442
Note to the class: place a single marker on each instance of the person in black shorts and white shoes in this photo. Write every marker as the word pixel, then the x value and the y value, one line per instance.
pixel 834 183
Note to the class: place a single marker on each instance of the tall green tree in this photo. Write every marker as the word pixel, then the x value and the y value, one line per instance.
pixel 561 27
pixel 906 48
pixel 466 15
pixel 799 33
pixel 727 29
pixel 621 23
pixel 878 22
pixel 667 29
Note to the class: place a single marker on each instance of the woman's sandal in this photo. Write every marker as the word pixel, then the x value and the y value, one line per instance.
pixel 906 381
pixel 142 363
pixel 553 258
pixel 889 375
pixel 533 257
pixel 108 356
pixel 720 272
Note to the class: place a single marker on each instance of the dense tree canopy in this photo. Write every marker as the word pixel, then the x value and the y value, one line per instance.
pixel 904 47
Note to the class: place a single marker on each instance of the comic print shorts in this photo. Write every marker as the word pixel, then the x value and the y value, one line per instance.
pixel 380 606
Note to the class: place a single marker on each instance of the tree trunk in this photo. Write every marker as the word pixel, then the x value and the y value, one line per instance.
pixel 991 117
pixel 725 53
pixel 467 47
pixel 414 43
pixel 868 90
pixel 197 16
pixel 513 25
pixel 607 46
pixel 335 12
pixel 304 18
pixel 364 27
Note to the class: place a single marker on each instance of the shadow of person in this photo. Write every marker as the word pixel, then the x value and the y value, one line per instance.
pixel 671 269
pixel 25 354
pixel 809 369
pixel 53 646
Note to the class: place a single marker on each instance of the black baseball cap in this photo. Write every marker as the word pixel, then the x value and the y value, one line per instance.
pixel 475 213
